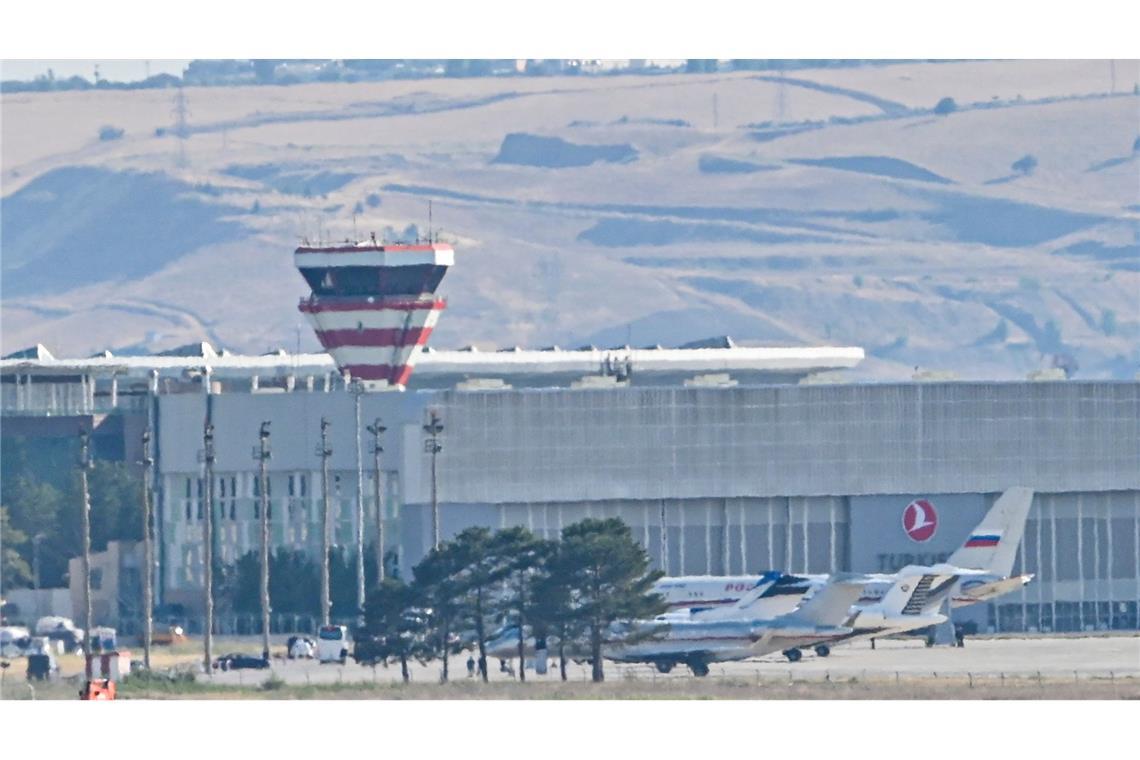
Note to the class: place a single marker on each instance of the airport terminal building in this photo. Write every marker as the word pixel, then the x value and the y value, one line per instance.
pixel 721 460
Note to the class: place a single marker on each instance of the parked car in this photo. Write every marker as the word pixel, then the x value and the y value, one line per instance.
pixel 237 661
pixel 14 640
pixel 300 648
pixel 62 629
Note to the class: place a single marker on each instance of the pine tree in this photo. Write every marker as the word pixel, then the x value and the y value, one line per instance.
pixel 607 575
pixel 523 557
pixel 394 626
pixel 436 584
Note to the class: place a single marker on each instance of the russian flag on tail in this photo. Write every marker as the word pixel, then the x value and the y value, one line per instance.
pixel 983 539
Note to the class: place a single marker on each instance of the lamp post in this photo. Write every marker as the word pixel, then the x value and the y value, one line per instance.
pixel 432 446
pixel 36 568
pixel 262 454
pixel 208 542
pixel 376 429
pixel 357 391
pixel 84 466
pixel 324 452
pixel 148 551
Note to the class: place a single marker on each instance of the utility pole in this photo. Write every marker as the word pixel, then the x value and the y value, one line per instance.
pixel 377 430
pixel 36 568
pixel 181 112
pixel 357 391
pixel 324 452
pixel 432 446
pixel 208 542
pixel 84 466
pixel 148 552
pixel 262 455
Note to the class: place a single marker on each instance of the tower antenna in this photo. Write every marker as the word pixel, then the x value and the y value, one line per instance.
pixel 181 112
pixel 429 221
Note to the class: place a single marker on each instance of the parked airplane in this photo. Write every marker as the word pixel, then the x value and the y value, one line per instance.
pixel 982 567
pixel 827 616
pixel 991 547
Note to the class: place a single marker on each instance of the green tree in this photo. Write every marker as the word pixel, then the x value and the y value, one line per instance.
pixel 552 612
pixel 394 625
pixel 480 565
pixel 945 106
pixel 436 583
pixel 523 558
pixel 608 577
pixel 1108 322
pixel 14 570
pixel 1024 165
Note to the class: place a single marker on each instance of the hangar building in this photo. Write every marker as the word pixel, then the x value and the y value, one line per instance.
pixel 722 460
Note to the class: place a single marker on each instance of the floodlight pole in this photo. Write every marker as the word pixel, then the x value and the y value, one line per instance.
pixel 208 541
pixel 148 551
pixel 324 452
pixel 432 446
pixel 262 454
pixel 376 429
pixel 84 466
pixel 357 391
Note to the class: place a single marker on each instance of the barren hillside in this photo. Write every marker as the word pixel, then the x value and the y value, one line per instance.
pixel 829 206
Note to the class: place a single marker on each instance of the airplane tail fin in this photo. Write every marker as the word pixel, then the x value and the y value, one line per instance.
pixel 992 545
pixel 918 591
pixel 746 604
pixel 831 604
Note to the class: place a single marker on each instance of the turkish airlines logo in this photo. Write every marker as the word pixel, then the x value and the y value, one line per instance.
pixel 920 520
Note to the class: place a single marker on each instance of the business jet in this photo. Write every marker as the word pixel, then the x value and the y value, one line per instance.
pixel 827 616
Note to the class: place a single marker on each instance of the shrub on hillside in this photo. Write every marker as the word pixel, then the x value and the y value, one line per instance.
pixel 1024 165
pixel 108 133
pixel 945 106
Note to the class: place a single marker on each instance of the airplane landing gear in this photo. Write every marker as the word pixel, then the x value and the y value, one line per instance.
pixel 793 655
pixel 823 650
pixel 663 667
pixel 700 669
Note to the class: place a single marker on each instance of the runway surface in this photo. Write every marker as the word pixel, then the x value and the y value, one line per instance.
pixel 1051 657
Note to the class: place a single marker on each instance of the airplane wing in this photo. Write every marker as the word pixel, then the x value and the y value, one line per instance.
pixel 831 604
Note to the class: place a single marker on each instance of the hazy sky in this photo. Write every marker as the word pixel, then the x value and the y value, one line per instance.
pixel 111 70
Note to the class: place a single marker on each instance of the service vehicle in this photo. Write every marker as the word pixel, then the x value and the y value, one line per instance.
pixel 332 644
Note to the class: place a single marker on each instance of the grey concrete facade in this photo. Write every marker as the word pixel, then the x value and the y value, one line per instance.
pixel 801 478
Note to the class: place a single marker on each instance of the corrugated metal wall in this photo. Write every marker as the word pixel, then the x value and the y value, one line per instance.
pixel 575 445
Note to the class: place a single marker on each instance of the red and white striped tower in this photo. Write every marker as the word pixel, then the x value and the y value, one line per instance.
pixel 374 305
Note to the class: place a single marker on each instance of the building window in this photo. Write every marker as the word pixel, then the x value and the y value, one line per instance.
pixel 302 484
pixel 96 578
pixel 187 488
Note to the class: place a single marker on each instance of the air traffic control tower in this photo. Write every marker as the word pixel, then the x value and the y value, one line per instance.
pixel 373 305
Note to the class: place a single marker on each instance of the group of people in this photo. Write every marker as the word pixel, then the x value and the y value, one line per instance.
pixel 505 666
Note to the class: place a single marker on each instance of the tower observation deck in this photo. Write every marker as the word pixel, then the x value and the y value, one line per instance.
pixel 373 305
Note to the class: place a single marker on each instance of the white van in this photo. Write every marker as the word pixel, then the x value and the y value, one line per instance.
pixel 332 644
